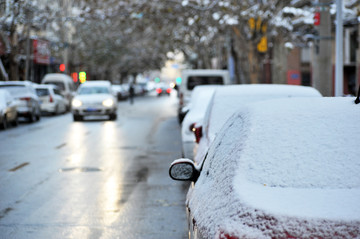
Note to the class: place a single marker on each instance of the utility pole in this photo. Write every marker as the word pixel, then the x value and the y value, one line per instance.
pixel 357 77
pixel 339 71
pixel 322 65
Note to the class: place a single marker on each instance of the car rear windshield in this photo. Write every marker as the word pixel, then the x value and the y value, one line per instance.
pixel 15 89
pixel 93 90
pixel 204 80
pixel 58 84
pixel 42 92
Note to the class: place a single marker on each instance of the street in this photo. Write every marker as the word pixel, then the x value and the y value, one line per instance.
pixel 96 178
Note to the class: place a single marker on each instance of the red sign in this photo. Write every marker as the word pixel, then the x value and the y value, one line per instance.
pixel 293 77
pixel 41 52
pixel 317 18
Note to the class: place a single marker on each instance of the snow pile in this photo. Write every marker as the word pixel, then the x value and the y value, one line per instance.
pixel 285 168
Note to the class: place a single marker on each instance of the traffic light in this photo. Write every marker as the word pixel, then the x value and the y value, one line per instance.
pixel 62 67
pixel 157 79
pixel 178 80
pixel 82 76
pixel 317 18
pixel 74 76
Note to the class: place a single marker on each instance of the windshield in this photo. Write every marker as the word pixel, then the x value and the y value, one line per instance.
pixel 58 84
pixel 42 92
pixel 93 90
pixel 204 80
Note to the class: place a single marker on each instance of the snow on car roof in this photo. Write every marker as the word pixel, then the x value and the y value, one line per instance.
pixel 304 144
pixel 293 158
pixel 229 98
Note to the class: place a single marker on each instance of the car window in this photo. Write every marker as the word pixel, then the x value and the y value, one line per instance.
pixel 57 92
pixel 204 80
pixel 93 90
pixel 223 147
pixel 58 84
pixel 42 92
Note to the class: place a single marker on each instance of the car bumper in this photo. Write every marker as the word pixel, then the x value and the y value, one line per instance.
pixel 51 108
pixel 85 111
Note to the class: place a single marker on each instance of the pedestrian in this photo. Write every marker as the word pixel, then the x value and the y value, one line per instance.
pixel 131 93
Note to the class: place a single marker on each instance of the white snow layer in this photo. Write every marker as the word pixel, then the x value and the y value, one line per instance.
pixel 283 169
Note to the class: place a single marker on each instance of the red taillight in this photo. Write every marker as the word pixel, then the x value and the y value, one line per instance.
pixel 51 99
pixel 159 90
pixel 168 90
pixel 198 134
pixel 25 98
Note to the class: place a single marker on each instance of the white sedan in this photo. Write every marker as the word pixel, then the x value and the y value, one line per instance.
pixel 94 98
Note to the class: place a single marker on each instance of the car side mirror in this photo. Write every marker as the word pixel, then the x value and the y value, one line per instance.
pixel 184 170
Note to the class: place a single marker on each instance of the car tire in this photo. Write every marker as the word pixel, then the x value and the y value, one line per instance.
pixel 4 124
pixel 113 117
pixel 77 117
pixel 32 118
pixel 56 111
pixel 15 122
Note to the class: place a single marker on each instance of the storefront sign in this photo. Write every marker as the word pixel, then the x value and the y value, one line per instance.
pixel 41 52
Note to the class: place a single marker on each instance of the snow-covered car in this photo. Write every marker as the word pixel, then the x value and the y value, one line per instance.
pixel 28 103
pixel 279 169
pixel 8 110
pixel 94 98
pixel 51 99
pixel 200 98
pixel 227 99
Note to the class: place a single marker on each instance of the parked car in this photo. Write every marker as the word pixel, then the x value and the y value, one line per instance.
pixel 227 99
pixel 94 98
pixel 8 110
pixel 51 99
pixel 287 168
pixel 121 92
pixel 65 84
pixel 200 98
pixel 28 103
pixel 192 78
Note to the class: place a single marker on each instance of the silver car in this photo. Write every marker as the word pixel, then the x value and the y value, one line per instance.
pixel 27 100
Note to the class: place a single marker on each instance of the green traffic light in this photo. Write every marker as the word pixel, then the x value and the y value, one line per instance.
pixel 178 80
pixel 157 79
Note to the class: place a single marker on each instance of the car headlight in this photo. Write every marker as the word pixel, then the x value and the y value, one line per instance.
pixel 108 103
pixel 76 103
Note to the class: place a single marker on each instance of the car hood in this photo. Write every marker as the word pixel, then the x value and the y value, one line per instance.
pixel 94 98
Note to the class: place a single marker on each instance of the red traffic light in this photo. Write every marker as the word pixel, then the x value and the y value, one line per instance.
pixel 317 18
pixel 62 67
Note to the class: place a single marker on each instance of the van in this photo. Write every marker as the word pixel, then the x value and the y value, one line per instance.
pixel 64 83
pixel 193 78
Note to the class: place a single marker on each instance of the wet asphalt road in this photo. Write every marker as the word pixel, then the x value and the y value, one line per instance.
pixel 94 179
